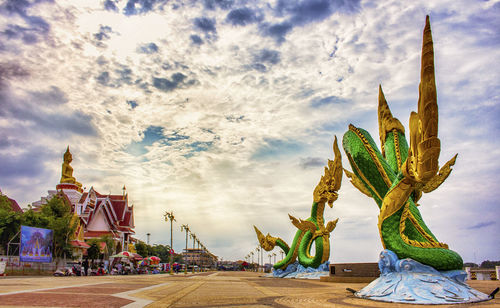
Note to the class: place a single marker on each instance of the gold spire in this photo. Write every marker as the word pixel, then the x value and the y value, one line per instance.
pixel 386 122
pixel 422 163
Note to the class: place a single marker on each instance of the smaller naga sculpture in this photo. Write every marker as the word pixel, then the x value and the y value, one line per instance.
pixel 67 170
pixel 312 230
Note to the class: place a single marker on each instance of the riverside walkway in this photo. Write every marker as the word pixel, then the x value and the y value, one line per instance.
pixel 212 289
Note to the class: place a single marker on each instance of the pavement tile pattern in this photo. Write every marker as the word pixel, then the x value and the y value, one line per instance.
pixel 213 289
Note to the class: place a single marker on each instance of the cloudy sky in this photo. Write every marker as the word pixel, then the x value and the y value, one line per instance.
pixel 224 111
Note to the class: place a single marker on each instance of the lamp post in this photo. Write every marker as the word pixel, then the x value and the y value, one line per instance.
pixel 199 255
pixel 252 257
pixel 148 234
pixel 274 255
pixel 170 216
pixel 186 228
pixel 193 236
pixel 258 256
pixel 281 254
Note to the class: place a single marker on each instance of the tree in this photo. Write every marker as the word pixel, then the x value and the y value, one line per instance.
pixel 61 220
pixel 55 215
pixel 489 264
pixel 93 251
pixel 110 244
pixel 141 248
pixel 162 252
pixel 10 222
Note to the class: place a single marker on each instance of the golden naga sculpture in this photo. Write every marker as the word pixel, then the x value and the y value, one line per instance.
pixel 397 176
pixel 67 170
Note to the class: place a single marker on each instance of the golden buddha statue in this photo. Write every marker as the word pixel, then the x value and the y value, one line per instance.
pixel 67 170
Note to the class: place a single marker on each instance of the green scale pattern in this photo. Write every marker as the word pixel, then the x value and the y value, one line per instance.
pixel 362 162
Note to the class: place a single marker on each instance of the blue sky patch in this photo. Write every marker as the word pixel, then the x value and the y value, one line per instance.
pixel 151 135
pixel 322 101
pixel 276 148
pixel 132 104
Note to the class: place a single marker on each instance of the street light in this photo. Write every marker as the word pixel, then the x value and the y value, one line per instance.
pixel 186 228
pixel 274 255
pixel 170 216
pixel 193 236
pixel 258 260
pixel 252 257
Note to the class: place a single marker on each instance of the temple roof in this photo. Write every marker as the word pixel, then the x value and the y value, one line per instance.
pixel 15 207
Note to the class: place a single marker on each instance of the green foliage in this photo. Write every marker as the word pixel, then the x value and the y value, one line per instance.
pixel 160 251
pixel 141 248
pixel 93 251
pixel 10 222
pixel 489 264
pixel 55 215
pixel 60 219
pixel 110 244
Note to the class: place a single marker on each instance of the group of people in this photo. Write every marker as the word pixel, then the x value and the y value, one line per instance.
pixel 117 267
pixel 83 269
pixel 120 268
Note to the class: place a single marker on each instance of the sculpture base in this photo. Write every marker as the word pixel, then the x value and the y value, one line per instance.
pixel 295 270
pixel 408 281
pixel 69 186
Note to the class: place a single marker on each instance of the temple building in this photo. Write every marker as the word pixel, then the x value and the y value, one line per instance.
pixel 98 214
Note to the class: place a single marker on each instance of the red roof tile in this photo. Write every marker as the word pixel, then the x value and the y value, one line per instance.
pixel 84 196
pixel 15 207
pixel 119 207
pixel 76 243
pixel 91 234
pixel 126 220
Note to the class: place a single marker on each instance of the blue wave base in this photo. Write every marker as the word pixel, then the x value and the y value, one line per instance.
pixel 408 281
pixel 296 270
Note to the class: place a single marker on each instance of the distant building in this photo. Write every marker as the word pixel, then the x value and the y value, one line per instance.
pixel 98 214
pixel 199 257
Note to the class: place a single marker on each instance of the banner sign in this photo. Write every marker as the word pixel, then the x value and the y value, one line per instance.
pixel 36 244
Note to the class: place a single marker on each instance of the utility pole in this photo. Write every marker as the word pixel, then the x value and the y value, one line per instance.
pixel 170 216
pixel 193 236
pixel 258 256
pixel 186 228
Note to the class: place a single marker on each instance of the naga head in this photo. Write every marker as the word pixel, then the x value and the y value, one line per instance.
pixel 266 242
pixel 326 190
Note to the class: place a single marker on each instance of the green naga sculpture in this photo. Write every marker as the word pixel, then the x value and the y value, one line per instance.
pixel 396 177
pixel 312 230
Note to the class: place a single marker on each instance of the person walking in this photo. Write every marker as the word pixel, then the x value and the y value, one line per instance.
pixel 85 266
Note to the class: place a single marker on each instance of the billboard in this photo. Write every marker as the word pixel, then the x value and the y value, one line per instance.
pixel 36 244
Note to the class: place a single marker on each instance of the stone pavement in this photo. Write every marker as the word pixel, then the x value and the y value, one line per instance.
pixel 214 289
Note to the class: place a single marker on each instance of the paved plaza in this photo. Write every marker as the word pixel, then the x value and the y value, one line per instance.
pixel 213 289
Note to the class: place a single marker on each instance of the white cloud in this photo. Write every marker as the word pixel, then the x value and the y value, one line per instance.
pixel 212 178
